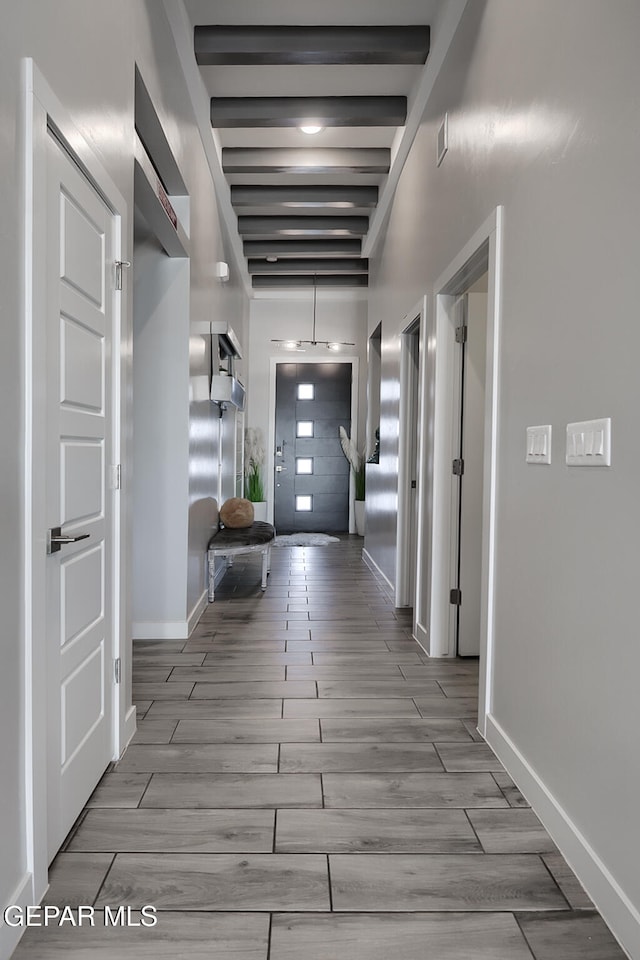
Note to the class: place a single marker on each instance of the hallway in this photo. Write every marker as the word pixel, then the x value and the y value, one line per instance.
pixel 306 785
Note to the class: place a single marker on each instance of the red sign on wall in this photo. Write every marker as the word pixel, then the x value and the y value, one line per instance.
pixel 166 203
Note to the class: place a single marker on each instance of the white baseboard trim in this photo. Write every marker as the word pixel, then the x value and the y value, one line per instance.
pixel 130 726
pixel 615 906
pixel 421 636
pixel 199 607
pixel 23 896
pixel 175 629
pixel 159 630
pixel 373 566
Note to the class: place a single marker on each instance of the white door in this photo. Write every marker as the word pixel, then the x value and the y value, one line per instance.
pixel 80 237
pixel 414 419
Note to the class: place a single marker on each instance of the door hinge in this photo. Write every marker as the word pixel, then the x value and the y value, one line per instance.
pixel 116 473
pixel 458 468
pixel 455 597
pixel 461 334
pixel 119 264
pixel 117 670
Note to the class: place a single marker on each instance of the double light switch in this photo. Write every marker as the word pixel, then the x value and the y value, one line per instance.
pixel 589 443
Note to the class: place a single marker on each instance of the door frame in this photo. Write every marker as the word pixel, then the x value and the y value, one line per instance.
pixel 42 111
pixel 271 438
pixel 409 421
pixel 440 425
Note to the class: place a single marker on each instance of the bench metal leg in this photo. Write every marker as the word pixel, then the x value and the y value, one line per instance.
pixel 212 577
pixel 269 560
pixel 265 568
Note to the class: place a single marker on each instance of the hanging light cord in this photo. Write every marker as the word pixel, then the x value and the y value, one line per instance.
pixel 330 344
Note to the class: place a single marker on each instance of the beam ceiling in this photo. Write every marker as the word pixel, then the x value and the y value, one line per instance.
pixel 349 265
pixel 228 112
pixel 307 196
pixel 333 280
pixel 266 45
pixel 306 202
pixel 301 226
pixel 313 247
pixel 313 160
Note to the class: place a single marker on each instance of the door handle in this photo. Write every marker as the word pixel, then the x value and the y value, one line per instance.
pixel 55 539
pixel 280 469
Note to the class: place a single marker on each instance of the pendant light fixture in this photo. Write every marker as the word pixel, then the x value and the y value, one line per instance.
pixel 299 345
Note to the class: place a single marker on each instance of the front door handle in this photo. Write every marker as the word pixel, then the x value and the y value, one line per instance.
pixel 55 539
pixel 280 469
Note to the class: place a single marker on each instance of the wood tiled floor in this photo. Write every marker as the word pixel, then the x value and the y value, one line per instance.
pixel 306 785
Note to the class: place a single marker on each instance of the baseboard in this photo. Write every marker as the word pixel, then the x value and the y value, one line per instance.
pixel 130 727
pixel 198 609
pixel 615 906
pixel 175 629
pixel 373 566
pixel 23 896
pixel 421 637
pixel 160 630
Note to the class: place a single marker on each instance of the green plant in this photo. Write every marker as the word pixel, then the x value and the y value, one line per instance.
pixel 253 486
pixel 254 456
pixel 357 463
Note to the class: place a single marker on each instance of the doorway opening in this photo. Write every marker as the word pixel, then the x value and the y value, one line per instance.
pixel 462 423
pixel 467 472
pixel 409 455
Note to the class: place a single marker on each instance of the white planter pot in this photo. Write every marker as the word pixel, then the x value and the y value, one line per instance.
pixel 260 510
pixel 360 515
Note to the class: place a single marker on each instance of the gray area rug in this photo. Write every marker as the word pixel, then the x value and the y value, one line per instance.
pixel 304 540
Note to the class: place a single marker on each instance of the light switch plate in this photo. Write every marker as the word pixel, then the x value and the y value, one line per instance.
pixel 539 444
pixel 589 443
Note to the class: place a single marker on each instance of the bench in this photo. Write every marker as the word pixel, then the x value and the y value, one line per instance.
pixel 229 542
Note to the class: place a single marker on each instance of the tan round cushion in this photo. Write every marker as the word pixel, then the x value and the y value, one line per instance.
pixel 236 513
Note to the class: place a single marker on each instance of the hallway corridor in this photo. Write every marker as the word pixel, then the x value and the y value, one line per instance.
pixel 306 785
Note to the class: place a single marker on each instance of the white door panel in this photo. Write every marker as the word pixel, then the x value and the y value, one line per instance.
pixel 81 593
pixel 82 354
pixel 82 471
pixel 82 251
pixel 82 704
pixel 80 239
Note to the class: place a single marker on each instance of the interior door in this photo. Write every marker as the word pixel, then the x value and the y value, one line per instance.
pixel 80 237
pixel 413 346
pixel 468 476
pixel 313 400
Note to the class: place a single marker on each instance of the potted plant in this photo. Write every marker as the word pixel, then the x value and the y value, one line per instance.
pixel 357 464
pixel 254 457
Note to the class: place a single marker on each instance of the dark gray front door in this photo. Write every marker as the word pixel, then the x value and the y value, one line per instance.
pixel 313 400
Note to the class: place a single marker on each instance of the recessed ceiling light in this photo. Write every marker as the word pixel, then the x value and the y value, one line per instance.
pixel 311 128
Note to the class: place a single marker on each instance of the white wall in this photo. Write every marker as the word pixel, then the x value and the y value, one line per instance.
pixel 161 436
pixel 338 317
pixel 86 51
pixel 542 101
